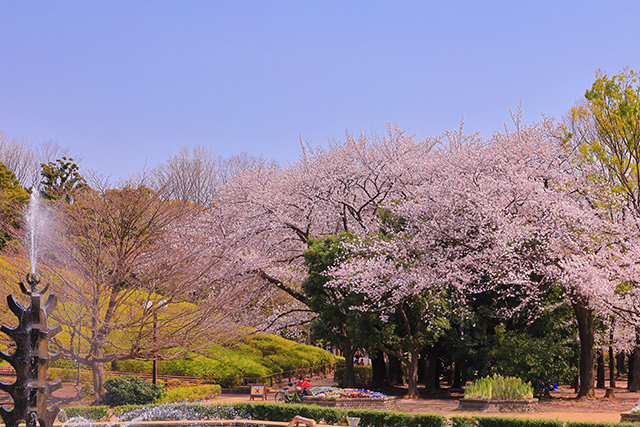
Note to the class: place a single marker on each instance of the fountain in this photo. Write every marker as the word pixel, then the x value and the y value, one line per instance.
pixel 30 359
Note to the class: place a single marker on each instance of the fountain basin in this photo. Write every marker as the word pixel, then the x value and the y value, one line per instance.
pixel 178 423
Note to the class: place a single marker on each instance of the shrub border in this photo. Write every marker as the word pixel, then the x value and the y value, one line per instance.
pixel 335 416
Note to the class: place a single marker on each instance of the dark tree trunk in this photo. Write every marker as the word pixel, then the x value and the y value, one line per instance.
pixel 423 362
pixel 395 370
pixel 621 369
pixel 634 374
pixel 379 369
pixel 587 340
pixel 630 371
pixel 600 383
pixel 432 371
pixel 457 375
pixel 575 384
pixel 348 360
pixel 612 368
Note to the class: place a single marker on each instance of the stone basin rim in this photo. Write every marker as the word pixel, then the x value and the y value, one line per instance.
pixel 186 423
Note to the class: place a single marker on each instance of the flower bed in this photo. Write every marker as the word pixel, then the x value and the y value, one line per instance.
pixel 350 398
pixel 345 393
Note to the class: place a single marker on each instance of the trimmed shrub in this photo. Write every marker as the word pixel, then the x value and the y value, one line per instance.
pixel 94 413
pixel 338 416
pixel 192 393
pixel 427 420
pixel 460 421
pixel 597 424
pixel 516 422
pixel 131 390
pixel 118 411
pixel 363 374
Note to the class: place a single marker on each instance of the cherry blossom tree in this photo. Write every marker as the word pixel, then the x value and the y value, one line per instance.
pixel 328 191
pixel 501 213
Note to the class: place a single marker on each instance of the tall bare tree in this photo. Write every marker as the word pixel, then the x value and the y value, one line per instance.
pixel 195 175
pixel 133 283
pixel 24 160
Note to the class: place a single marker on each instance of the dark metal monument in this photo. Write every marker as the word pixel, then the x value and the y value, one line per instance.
pixel 30 359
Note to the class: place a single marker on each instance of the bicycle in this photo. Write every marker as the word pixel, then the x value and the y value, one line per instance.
pixel 289 396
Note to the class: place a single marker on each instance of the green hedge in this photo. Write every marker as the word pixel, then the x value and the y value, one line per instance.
pixel 95 413
pixel 460 421
pixel 322 415
pixel 516 422
pixel 266 412
pixel 597 424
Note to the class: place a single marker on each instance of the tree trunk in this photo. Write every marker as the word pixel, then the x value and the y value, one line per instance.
pixel 99 377
pixel 379 369
pixel 431 383
pixel 412 375
pixel 587 340
pixel 457 375
pixel 600 383
pixel 634 374
pixel 630 371
pixel 620 366
pixel 612 368
pixel 423 363
pixel 395 370
pixel 348 359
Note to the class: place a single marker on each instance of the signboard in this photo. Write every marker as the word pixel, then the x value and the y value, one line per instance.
pixel 258 390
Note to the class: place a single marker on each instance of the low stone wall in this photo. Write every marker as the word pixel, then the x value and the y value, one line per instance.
pixel 628 417
pixel 384 404
pixel 498 405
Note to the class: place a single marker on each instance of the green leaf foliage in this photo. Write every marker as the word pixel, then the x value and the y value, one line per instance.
pixel 131 390
pixel 12 199
pixel 61 180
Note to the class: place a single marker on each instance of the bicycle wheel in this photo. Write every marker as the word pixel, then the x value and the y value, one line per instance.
pixel 279 397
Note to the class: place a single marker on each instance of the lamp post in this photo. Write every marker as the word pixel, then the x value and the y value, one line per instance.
pixel 148 305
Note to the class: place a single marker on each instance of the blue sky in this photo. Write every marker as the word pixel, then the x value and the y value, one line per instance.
pixel 124 83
